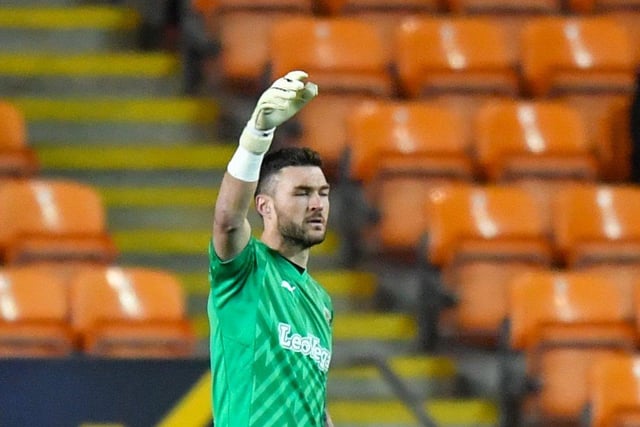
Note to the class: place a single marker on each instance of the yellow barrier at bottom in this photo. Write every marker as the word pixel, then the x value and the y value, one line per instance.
pixel 194 409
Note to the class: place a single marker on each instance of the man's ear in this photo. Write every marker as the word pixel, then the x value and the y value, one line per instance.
pixel 263 205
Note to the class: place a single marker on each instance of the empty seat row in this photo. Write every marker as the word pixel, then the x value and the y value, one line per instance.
pixel 17 158
pixel 106 311
pixel 612 391
pixel 561 325
pixel 505 139
pixel 431 53
pixel 478 238
pixel 55 220
pixel 457 6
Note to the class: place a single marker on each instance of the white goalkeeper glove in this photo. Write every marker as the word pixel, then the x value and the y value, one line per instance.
pixel 281 101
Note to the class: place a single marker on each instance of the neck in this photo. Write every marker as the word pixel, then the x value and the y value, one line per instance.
pixel 293 252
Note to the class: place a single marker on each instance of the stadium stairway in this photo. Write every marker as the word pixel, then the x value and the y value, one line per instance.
pixel 101 112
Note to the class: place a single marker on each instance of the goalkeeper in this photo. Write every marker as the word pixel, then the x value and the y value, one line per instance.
pixel 270 320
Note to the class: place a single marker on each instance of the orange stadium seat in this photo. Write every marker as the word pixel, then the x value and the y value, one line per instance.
pixel 330 50
pixel 613 399
pixel 355 7
pixel 557 321
pixel 590 6
pixel 505 6
pixel 385 16
pixel 478 237
pixel 242 27
pixel 485 222
pixel 454 55
pixel 55 220
pixel 577 54
pixel 17 159
pixel 589 62
pixel 34 314
pixel 597 224
pixel 629 19
pixel 388 137
pixel 396 151
pixel 625 277
pixel 130 312
pixel 533 140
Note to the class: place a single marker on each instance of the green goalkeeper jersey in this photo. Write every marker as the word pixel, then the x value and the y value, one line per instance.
pixel 270 341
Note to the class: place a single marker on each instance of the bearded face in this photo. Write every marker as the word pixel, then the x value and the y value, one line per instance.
pixel 309 232
pixel 300 201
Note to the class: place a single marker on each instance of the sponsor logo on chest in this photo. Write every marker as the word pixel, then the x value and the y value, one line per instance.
pixel 306 345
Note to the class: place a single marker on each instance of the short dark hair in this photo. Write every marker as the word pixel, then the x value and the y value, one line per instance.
pixel 276 160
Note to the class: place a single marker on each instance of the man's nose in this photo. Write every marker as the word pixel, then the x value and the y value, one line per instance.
pixel 315 202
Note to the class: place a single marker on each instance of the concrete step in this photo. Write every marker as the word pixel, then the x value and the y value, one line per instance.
pixel 44 28
pixel 460 412
pixel 133 120
pixel 426 376
pixel 364 382
pixel 123 74
pixel 365 413
pixel 143 157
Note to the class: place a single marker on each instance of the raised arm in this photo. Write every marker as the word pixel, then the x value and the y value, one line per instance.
pixel 281 101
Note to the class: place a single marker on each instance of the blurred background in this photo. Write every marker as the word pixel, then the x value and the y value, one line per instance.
pixel 483 252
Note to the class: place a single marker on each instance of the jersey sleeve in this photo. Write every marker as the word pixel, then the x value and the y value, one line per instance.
pixel 227 278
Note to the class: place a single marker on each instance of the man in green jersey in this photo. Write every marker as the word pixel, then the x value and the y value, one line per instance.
pixel 270 321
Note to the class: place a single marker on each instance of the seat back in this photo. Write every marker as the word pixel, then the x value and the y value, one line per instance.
pixel 563 55
pixel 123 309
pixel 34 314
pixel 14 131
pixel 467 222
pixel 517 139
pixel 613 390
pixel 441 55
pixel 505 6
pixel 223 6
pixel 355 7
pixel 331 51
pixel 544 299
pixel 595 223
pixel 407 138
pixel 16 157
pixel 53 219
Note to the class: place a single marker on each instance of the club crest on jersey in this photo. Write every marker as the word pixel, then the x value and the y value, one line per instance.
pixel 327 314
pixel 307 346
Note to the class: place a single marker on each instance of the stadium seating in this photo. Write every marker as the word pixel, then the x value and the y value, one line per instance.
pixel 590 6
pixel 406 138
pixel 330 50
pixel 34 313
pixel 384 16
pixel 130 312
pixel 558 323
pixel 242 28
pixel 475 233
pixel 55 220
pixel 577 54
pixel 596 224
pixel 396 151
pixel 454 55
pixel 533 140
pixel 356 7
pixel 17 158
pixel 613 392
pixel 505 6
